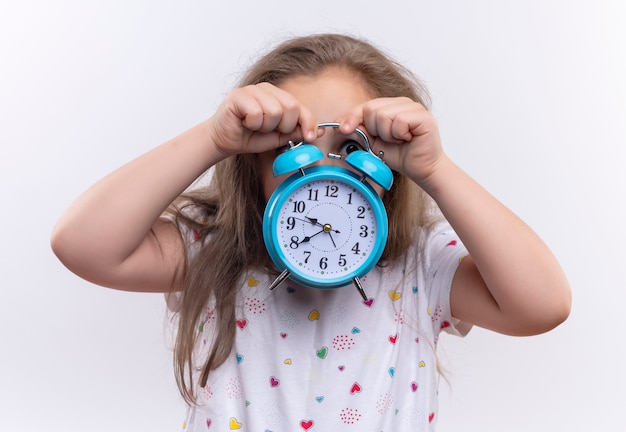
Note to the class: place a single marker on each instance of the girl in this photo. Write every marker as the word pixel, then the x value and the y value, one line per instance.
pixel 297 358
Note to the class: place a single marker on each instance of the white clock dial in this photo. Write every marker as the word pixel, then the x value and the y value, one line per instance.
pixel 326 228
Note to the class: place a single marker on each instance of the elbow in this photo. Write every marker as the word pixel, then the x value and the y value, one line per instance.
pixel 552 305
pixel 61 246
pixel 561 309
pixel 561 305
pixel 553 312
pixel 555 318
pixel 57 242
pixel 76 255
pixel 67 248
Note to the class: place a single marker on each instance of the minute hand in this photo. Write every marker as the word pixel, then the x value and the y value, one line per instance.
pixel 308 238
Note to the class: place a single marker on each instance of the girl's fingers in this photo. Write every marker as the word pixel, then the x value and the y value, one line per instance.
pixel 265 108
pixel 247 109
pixel 258 109
pixel 308 125
pixel 352 120
pixel 258 118
pixel 393 120
pixel 293 116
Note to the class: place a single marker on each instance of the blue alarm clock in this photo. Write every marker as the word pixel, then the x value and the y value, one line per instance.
pixel 326 227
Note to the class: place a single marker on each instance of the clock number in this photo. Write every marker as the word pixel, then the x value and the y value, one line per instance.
pixel 291 223
pixel 361 214
pixel 332 191
pixel 299 207
pixel 356 248
pixel 363 232
pixel 342 260
pixel 313 195
pixel 324 263
pixel 294 242
pixel 307 254
pixel 350 198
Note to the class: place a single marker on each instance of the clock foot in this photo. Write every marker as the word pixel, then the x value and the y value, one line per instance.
pixel 359 287
pixel 281 277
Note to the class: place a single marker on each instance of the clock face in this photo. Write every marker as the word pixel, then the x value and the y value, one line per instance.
pixel 328 229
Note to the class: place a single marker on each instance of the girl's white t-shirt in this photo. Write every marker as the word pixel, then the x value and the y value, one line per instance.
pixel 306 359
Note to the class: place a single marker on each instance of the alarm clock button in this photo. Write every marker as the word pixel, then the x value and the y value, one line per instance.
pixel 372 167
pixel 296 158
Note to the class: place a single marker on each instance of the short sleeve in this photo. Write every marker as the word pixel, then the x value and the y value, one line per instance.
pixel 192 243
pixel 441 253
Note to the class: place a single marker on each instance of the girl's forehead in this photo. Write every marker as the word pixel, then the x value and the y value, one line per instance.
pixel 331 86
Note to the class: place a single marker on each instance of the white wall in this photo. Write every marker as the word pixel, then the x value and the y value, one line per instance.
pixel 530 96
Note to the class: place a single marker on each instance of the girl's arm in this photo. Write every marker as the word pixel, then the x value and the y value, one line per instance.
pixel 511 283
pixel 113 235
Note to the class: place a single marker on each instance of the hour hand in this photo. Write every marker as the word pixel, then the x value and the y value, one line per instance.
pixel 327 227
pixel 313 221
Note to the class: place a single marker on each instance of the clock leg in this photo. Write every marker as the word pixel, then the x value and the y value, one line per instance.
pixel 359 287
pixel 281 277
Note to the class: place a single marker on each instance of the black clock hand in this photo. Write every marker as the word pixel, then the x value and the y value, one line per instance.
pixel 331 239
pixel 312 222
pixel 326 228
pixel 308 238
pixel 315 222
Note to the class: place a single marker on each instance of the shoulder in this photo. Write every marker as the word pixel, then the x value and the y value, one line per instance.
pixel 433 244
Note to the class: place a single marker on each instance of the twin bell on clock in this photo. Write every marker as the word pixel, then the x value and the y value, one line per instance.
pixel 325 226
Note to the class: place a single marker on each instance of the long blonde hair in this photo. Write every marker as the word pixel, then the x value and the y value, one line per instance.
pixel 230 209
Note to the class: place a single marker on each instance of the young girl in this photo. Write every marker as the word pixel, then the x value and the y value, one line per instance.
pixel 298 358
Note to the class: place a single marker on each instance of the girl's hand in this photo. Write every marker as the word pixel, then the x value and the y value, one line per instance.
pixel 257 118
pixel 404 130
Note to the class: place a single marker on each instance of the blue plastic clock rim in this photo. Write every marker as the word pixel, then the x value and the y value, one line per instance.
pixel 285 189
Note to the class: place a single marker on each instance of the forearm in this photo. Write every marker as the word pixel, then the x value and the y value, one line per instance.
pixel 519 271
pixel 111 219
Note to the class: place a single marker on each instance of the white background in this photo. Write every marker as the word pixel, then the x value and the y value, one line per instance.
pixel 531 100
